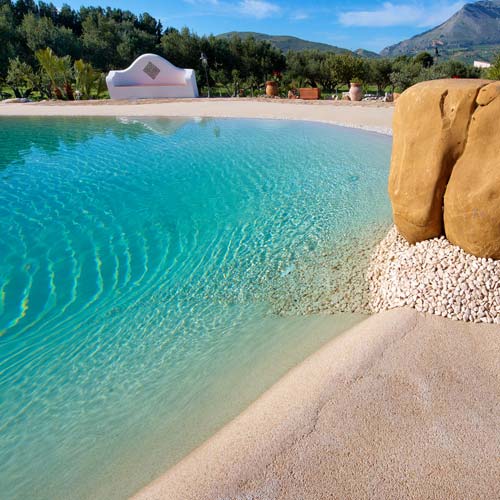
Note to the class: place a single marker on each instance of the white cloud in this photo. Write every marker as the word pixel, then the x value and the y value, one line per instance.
pixel 299 16
pixel 410 14
pixel 197 2
pixel 258 8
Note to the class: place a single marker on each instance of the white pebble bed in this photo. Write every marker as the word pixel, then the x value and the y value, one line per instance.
pixel 435 277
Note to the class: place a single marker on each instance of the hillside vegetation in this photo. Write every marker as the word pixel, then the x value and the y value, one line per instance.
pixel 64 53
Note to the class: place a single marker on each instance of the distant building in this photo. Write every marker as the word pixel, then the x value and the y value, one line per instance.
pixel 481 64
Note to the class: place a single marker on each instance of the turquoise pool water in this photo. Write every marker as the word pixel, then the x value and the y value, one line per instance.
pixel 141 264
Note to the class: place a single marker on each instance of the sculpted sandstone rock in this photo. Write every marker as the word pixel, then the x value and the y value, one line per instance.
pixel 472 199
pixel 445 166
pixel 430 128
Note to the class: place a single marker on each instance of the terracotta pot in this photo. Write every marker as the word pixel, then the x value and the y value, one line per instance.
pixel 355 92
pixel 271 89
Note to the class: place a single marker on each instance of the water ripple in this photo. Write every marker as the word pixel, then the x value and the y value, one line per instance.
pixel 142 264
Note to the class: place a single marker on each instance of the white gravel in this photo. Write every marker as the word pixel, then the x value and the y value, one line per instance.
pixel 436 277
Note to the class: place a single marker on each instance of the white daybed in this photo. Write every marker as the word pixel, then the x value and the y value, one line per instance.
pixel 151 76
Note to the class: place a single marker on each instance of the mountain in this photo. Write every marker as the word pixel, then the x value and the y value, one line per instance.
pixel 367 54
pixel 286 43
pixel 471 33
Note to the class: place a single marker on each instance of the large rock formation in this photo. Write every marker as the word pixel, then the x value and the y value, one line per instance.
pixel 472 199
pixel 445 168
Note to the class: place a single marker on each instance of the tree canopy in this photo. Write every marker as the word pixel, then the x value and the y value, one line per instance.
pixel 102 39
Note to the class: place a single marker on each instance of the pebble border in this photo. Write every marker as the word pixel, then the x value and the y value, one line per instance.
pixel 434 277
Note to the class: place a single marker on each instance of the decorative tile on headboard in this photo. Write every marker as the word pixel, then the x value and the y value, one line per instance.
pixel 151 70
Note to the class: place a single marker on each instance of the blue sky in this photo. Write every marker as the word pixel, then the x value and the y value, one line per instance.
pixel 370 25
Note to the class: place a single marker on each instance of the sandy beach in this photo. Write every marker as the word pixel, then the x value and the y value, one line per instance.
pixel 404 405
pixel 373 116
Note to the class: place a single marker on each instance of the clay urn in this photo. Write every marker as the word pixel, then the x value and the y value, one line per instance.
pixel 356 92
pixel 271 88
